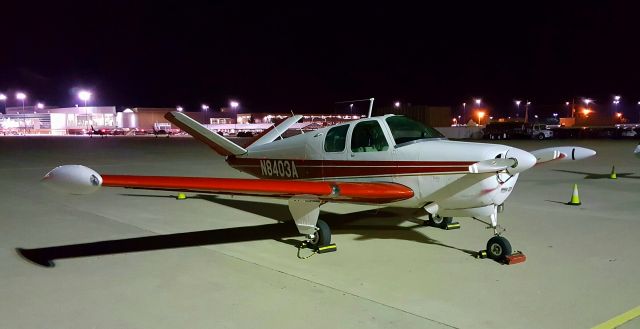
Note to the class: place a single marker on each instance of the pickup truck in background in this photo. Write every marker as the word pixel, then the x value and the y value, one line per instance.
pixel 513 130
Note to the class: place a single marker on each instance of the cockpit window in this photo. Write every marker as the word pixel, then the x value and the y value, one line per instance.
pixel 406 130
pixel 336 138
pixel 367 136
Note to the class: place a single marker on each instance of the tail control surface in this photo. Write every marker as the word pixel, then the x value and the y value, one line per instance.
pixel 218 143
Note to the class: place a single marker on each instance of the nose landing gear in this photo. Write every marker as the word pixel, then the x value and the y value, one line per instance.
pixel 498 247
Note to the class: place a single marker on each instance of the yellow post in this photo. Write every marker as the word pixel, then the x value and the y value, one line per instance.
pixel 181 196
pixel 613 173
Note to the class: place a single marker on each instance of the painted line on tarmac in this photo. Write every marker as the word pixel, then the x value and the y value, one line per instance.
pixel 620 319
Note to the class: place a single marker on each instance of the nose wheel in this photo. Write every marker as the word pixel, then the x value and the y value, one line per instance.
pixel 498 248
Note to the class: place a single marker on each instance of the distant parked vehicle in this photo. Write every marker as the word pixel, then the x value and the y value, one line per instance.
pixel 245 134
pixel 511 130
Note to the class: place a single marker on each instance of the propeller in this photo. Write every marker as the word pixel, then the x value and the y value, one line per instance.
pixel 514 161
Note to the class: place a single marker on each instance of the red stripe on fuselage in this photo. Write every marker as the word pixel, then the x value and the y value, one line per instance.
pixel 314 169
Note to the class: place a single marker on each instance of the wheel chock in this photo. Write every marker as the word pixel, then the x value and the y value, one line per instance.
pixel 328 248
pixel 482 254
pixel 453 226
pixel 515 258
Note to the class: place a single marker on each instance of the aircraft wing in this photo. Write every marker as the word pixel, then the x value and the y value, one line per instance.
pixel 78 179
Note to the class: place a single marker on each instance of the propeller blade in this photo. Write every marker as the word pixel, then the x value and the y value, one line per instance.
pixel 491 165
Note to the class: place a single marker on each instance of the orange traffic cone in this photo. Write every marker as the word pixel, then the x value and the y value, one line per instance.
pixel 613 173
pixel 575 197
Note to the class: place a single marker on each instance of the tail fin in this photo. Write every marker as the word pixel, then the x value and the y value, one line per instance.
pixel 218 143
pixel 275 131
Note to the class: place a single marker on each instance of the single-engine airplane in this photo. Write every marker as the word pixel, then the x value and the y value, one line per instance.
pixel 388 160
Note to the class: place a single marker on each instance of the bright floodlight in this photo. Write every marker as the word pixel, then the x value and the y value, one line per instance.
pixel 396 104
pixel 234 104
pixel 528 103
pixel 518 102
pixel 179 108
pixel 40 106
pixel 478 101
pixel 21 96
pixel 205 107
pixel 587 101
pixel 566 103
pixel 616 97
pixel 619 115
pixel 84 95
pixel 3 97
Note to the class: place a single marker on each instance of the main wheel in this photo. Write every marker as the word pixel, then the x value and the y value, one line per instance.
pixel 540 136
pixel 322 237
pixel 441 222
pixel 498 248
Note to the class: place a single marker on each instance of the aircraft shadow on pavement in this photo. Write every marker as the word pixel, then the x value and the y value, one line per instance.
pixel 589 175
pixel 380 224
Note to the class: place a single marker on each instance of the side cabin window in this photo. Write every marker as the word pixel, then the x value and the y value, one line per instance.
pixel 336 139
pixel 367 136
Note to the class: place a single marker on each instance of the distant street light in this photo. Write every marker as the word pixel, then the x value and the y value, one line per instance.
pixel 205 107
pixel 40 106
pixel 518 107
pixel 234 104
pixel 179 108
pixel 478 101
pixel 464 110
pixel 85 96
pixel 480 116
pixel 3 98
pixel 396 104
pixel 21 96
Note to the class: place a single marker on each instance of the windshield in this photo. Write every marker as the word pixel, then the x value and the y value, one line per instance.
pixel 406 130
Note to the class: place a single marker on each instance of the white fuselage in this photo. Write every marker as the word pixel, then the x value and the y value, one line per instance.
pixel 435 169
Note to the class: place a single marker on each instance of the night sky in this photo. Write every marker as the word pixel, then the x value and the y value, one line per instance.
pixel 307 56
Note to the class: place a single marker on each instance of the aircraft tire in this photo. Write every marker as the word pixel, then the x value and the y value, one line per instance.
pixel 322 236
pixel 498 248
pixel 440 222
pixel 540 136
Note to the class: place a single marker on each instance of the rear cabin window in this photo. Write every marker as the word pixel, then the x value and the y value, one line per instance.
pixel 405 130
pixel 336 139
pixel 367 136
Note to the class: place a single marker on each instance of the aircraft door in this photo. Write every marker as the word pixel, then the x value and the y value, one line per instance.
pixel 369 151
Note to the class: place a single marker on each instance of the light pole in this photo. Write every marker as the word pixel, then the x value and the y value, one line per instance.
pixel 21 96
pixel 616 101
pixel 234 105
pixel 85 96
pixel 526 111
pixel 518 107
pixel 3 98
pixel 464 110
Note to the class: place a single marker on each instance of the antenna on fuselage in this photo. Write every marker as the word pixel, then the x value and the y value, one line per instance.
pixel 361 100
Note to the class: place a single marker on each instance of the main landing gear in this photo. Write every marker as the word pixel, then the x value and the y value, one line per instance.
pixel 445 223
pixel 305 211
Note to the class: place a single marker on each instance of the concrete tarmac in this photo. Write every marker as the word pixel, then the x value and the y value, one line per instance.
pixel 142 259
